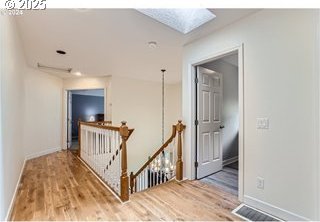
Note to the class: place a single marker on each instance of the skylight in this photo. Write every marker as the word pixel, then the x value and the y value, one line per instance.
pixel 182 20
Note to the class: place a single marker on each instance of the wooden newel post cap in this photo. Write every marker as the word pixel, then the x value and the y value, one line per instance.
pixel 124 131
pixel 180 126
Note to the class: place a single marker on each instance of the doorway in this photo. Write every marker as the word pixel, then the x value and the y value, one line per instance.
pixel 84 106
pixel 218 122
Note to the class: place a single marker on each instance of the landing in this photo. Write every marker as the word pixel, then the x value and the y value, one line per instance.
pixel 59 187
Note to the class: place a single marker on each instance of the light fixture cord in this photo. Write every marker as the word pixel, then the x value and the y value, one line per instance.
pixel 163 105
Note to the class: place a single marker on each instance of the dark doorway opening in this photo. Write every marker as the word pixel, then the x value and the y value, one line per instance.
pixel 85 106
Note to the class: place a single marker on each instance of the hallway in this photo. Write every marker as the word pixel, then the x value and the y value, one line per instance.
pixel 59 187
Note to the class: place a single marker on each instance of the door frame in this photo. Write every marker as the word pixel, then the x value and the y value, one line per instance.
pixel 65 111
pixel 69 118
pixel 192 69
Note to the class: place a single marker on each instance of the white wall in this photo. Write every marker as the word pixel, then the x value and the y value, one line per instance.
pixel 2 204
pixel 173 106
pixel 30 112
pixel 43 113
pixel 230 107
pixel 12 95
pixel 139 103
pixel 279 64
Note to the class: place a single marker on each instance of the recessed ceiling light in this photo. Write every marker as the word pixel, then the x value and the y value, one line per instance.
pixel 182 20
pixel 61 52
pixel 152 45
pixel 77 73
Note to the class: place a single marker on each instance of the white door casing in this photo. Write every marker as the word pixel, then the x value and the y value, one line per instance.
pixel 209 147
pixel 69 121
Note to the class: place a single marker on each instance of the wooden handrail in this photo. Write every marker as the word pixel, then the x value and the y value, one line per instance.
pixel 94 124
pixel 101 122
pixel 173 135
pixel 114 128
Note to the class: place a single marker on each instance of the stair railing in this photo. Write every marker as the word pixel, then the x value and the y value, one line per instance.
pixel 165 164
pixel 104 150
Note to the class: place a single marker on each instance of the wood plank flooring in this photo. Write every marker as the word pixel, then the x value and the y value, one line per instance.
pixel 226 179
pixel 59 187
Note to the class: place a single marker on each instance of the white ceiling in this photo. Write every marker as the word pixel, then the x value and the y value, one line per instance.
pixel 104 42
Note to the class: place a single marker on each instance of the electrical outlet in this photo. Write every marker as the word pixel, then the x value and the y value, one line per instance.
pixel 262 123
pixel 260 183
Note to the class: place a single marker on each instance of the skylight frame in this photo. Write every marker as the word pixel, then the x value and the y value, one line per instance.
pixel 181 20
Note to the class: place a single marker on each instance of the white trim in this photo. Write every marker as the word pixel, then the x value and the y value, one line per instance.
pixel 230 160
pixel 317 108
pixel 246 219
pixel 191 117
pixel 15 193
pixel 42 153
pixel 273 210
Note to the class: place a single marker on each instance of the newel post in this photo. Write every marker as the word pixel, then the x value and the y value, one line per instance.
pixel 124 180
pixel 179 165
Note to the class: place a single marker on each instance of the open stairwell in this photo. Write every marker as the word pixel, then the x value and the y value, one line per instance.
pixel 164 165
pixel 103 149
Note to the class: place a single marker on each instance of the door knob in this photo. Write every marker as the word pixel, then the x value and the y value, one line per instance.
pixel 221 126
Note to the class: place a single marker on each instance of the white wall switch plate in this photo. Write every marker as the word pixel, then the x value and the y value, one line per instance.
pixel 262 123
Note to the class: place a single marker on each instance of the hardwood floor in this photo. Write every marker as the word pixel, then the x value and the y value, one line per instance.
pixel 226 179
pixel 59 187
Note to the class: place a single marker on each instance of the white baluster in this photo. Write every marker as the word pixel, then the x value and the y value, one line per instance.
pixel 153 174
pixel 149 176
pixel 146 178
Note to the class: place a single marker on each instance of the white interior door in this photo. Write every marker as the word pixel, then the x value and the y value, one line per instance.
pixel 69 122
pixel 209 147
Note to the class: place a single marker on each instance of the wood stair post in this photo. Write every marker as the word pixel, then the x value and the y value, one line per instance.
pixel 179 164
pixel 124 179
pixel 131 182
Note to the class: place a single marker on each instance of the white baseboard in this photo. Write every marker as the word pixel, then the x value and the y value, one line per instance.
pixel 15 193
pixel 42 153
pixel 273 210
pixel 230 160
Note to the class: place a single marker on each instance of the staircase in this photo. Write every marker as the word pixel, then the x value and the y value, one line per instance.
pixel 164 165
pixel 103 148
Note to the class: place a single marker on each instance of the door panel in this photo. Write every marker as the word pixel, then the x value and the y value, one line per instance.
pixel 206 106
pixel 216 106
pixel 209 115
pixel 216 142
